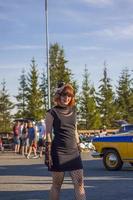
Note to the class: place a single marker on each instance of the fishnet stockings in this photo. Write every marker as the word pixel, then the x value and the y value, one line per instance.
pixel 58 178
pixel 77 179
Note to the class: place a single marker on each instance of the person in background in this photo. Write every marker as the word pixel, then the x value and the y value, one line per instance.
pixel 37 130
pixel 16 136
pixel 103 132
pixel 1 144
pixel 24 137
pixel 42 136
pixel 62 151
pixel 20 135
pixel 32 136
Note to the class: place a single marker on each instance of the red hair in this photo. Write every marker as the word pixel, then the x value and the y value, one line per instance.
pixel 67 88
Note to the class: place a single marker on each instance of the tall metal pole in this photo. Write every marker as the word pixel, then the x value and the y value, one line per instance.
pixel 47 54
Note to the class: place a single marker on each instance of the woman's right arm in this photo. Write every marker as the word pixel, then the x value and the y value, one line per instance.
pixel 49 126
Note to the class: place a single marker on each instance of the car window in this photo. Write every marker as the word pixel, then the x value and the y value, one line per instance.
pixel 126 128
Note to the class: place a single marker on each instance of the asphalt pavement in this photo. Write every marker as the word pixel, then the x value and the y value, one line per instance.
pixel 23 179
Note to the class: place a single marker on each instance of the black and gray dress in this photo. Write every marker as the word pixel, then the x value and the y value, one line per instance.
pixel 64 150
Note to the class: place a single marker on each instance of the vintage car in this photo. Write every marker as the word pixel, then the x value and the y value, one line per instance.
pixel 114 150
pixel 126 128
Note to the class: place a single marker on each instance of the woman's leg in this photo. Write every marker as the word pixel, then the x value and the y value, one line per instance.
pixel 30 151
pixel 26 146
pixel 22 150
pixel 77 178
pixel 58 178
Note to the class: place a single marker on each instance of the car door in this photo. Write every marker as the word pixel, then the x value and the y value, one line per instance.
pixel 130 146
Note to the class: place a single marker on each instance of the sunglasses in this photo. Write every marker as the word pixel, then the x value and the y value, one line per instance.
pixel 64 94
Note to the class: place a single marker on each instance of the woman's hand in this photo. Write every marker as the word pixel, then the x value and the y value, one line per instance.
pixel 79 147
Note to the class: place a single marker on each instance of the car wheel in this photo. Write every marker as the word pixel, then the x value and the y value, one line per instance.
pixel 112 160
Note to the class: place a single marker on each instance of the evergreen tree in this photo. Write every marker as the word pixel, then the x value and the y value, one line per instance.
pixel 6 107
pixel 44 90
pixel 88 109
pixel 130 117
pixel 76 88
pixel 105 100
pixel 22 96
pixel 35 99
pixel 58 69
pixel 125 96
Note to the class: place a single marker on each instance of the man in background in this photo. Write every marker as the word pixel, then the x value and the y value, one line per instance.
pixel 42 136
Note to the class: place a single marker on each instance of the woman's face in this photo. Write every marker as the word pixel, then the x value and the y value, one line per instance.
pixel 25 124
pixel 30 124
pixel 65 98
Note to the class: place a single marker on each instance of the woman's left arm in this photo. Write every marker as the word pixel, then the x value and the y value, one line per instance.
pixel 76 134
pixel 77 139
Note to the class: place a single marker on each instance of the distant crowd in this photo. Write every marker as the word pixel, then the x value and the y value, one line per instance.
pixel 29 138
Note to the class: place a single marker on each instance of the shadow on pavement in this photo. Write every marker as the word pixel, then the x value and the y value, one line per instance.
pixel 99 183
pixel 24 195
pixel 66 194
pixel 24 170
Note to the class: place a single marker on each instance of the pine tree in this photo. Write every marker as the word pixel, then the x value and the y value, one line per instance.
pixel 44 90
pixel 124 96
pixel 6 107
pixel 35 99
pixel 131 103
pixel 130 117
pixel 105 100
pixel 58 69
pixel 22 97
pixel 88 109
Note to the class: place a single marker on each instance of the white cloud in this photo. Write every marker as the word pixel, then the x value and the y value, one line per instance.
pixel 14 66
pixel 120 32
pixel 115 32
pixel 21 47
pixel 5 17
pixel 99 2
pixel 92 48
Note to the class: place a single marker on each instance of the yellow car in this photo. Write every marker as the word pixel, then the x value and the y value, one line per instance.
pixel 115 150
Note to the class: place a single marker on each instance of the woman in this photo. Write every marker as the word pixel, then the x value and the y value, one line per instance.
pixel 25 139
pixel 62 152
pixel 32 137
pixel 16 133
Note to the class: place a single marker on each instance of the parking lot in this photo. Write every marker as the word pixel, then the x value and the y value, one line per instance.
pixel 29 180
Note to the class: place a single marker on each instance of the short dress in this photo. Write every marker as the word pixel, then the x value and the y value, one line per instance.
pixel 64 149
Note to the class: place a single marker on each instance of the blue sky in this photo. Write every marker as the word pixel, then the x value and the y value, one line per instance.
pixel 90 31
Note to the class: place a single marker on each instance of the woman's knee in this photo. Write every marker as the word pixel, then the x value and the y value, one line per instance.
pixel 57 185
pixel 77 178
pixel 57 180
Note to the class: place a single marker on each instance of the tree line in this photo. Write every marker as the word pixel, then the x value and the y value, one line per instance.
pixel 96 108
